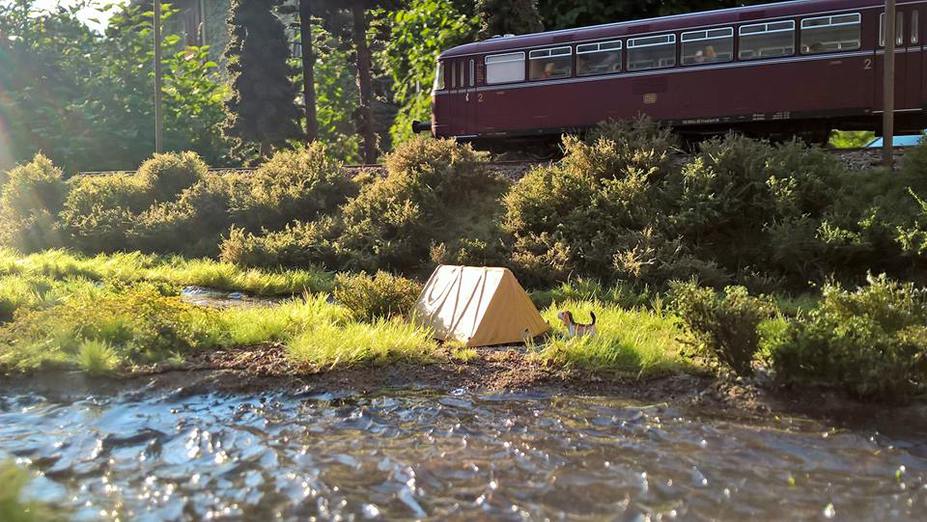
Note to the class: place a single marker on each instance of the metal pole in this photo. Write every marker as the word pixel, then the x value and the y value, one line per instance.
pixel 159 130
pixel 888 87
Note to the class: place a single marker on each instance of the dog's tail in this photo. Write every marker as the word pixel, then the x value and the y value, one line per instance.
pixel 593 317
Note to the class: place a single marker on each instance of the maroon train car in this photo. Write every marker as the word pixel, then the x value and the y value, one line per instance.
pixel 794 67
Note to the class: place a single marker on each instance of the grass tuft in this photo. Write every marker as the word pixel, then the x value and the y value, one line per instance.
pixel 629 342
pixel 279 323
pixel 12 508
pixel 97 357
pixel 381 342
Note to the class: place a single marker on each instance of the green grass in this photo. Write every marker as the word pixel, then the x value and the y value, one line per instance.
pixel 279 323
pixel 97 357
pixel 382 342
pixel 850 139
pixel 630 342
pixel 464 354
pixel 135 267
pixel 12 508
pixel 108 314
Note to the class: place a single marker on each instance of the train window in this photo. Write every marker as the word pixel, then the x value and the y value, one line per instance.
pixel 708 46
pixel 505 68
pixel 598 58
pixel 547 64
pixel 651 52
pixel 899 29
pixel 827 34
pixel 453 76
pixel 768 40
pixel 472 75
pixel 915 28
pixel 462 82
pixel 439 77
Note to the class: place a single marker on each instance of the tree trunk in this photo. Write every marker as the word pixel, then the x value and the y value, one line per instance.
pixel 364 83
pixel 308 59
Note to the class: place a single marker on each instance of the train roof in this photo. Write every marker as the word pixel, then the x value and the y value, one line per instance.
pixel 663 23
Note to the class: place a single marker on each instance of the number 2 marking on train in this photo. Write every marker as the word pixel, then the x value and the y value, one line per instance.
pixel 867 64
pixel 479 98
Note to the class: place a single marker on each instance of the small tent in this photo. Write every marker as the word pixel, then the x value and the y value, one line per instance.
pixel 478 306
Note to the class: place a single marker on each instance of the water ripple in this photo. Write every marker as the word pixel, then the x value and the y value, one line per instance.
pixel 150 456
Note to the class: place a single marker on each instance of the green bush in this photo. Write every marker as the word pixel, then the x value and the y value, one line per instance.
pixel 299 244
pixel 29 205
pixel 914 168
pixel 602 212
pixel 394 221
pixel 620 206
pixel 580 289
pixel 192 225
pixel 167 175
pixel 723 324
pixel 292 185
pixel 617 147
pixel 124 190
pixel 172 204
pixel 437 200
pixel 871 342
pixel 748 203
pixel 99 211
pixel 381 296
pixel 18 292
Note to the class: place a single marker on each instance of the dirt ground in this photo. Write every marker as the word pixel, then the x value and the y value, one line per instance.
pixel 265 368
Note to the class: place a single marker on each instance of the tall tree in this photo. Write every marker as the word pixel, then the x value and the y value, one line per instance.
pixel 364 79
pixel 359 13
pixel 508 17
pixel 262 109
pixel 301 11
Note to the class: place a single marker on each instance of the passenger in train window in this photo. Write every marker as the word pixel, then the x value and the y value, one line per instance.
pixel 546 69
pixel 706 55
pixel 598 63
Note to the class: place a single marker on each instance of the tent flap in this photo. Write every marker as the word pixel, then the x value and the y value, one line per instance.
pixel 479 306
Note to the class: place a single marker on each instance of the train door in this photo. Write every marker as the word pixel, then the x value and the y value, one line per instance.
pixel 472 98
pixel 908 66
pixel 458 98
pixel 913 66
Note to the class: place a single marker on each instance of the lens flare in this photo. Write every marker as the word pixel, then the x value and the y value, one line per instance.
pixel 6 151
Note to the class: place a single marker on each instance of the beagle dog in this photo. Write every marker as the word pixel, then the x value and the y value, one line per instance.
pixel 575 329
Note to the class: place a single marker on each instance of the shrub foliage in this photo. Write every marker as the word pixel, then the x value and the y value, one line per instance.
pixel 871 341
pixel 437 199
pixel 724 324
pixel 29 204
pixel 382 296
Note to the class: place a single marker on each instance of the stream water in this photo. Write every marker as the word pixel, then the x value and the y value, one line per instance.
pixel 156 455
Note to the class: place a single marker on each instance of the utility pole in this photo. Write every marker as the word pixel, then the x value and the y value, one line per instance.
pixel 159 126
pixel 308 59
pixel 888 87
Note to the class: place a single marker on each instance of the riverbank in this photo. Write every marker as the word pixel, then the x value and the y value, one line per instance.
pixel 251 370
pixel 131 316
